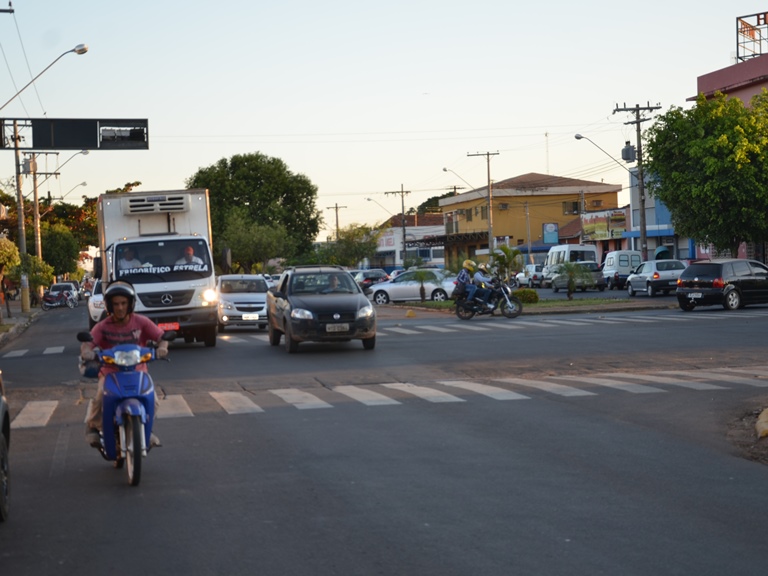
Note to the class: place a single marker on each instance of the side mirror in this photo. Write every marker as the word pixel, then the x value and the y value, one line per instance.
pixel 169 336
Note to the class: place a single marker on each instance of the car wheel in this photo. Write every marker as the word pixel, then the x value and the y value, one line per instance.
pixel 381 298
pixel 630 290
pixel 291 345
pixel 685 304
pixel 732 300
pixel 369 343
pixel 555 288
pixel 274 336
pixel 650 290
pixel 438 296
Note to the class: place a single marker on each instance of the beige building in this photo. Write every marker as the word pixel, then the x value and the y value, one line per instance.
pixel 528 211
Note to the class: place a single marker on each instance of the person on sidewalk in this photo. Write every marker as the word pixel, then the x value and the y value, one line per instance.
pixel 121 326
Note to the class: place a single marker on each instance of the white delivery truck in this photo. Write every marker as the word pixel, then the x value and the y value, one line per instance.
pixel 160 242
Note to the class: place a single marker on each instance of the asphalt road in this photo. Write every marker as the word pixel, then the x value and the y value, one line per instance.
pixel 574 445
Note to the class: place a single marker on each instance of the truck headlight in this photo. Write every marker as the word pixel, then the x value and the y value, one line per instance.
pixel 209 297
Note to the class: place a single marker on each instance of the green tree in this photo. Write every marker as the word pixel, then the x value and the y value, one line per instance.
pixel 574 273
pixel 60 248
pixel 507 260
pixel 709 166
pixel 252 244
pixel 270 193
pixel 80 220
pixel 9 255
pixel 39 274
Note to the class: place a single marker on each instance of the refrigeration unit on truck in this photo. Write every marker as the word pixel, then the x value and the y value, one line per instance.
pixel 160 242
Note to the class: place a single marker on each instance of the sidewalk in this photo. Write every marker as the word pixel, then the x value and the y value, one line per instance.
pixel 17 321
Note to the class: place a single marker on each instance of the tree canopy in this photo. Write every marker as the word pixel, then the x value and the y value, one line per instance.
pixel 709 166
pixel 267 192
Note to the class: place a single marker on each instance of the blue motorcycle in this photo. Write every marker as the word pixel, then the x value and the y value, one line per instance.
pixel 128 403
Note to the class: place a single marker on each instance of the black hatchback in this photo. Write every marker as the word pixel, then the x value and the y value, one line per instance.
pixel 731 283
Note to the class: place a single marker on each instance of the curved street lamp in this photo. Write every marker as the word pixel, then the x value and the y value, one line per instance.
pixel 459 177
pixel 380 206
pixel 79 49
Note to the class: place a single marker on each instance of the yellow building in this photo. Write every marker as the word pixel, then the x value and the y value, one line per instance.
pixel 526 210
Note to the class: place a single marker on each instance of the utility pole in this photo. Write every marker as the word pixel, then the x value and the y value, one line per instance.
pixel 336 207
pixel 491 239
pixel 640 178
pixel 402 213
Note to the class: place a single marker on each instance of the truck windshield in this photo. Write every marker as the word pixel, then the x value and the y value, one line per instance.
pixel 170 260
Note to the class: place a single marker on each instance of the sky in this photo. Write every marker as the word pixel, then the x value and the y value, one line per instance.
pixel 364 99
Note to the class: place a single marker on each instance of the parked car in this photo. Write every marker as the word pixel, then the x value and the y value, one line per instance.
pixel 655 276
pixel 730 282
pixel 438 285
pixel 96 309
pixel 618 265
pixel 560 280
pixel 530 276
pixel 319 304
pixel 5 444
pixel 242 300
pixel 366 278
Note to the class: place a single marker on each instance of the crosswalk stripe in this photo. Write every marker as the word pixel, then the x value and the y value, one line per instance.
pixel 667 380
pixel 54 350
pixel 402 330
pixel 758 370
pixel 636 319
pixel 713 375
pixel 625 386
pixel 438 328
pixel 365 396
pixel 300 399
pixel 485 390
pixel 507 325
pixel 35 414
pixel 235 403
pixel 564 322
pixel 174 406
pixel 551 387
pixel 15 353
pixel 429 394
pixel 474 327
pixel 599 321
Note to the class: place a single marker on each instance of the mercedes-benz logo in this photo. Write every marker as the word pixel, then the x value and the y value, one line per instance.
pixel 166 299
pixel 337 316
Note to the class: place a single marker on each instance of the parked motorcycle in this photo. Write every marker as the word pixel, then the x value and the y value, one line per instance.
pixel 63 298
pixel 501 300
pixel 128 403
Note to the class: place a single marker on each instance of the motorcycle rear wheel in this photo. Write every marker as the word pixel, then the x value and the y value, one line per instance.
pixel 515 310
pixel 45 306
pixel 133 431
pixel 70 304
pixel 463 313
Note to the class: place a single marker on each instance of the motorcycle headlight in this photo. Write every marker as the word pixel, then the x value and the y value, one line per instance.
pixel 127 358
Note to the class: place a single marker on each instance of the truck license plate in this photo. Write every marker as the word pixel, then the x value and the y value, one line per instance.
pixel 337 327
pixel 250 316
pixel 168 325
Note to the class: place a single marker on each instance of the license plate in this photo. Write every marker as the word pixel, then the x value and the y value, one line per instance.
pixel 168 325
pixel 672 282
pixel 250 316
pixel 337 327
pixel 694 295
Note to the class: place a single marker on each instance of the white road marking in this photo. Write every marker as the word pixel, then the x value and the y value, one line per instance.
pixel 666 380
pixel 429 394
pixel 401 330
pixel 54 350
pixel 365 396
pixel 438 328
pixel 15 353
pixel 712 375
pixel 300 399
pixel 485 390
pixel 551 387
pixel 174 406
pixel 624 386
pixel 35 414
pixel 235 403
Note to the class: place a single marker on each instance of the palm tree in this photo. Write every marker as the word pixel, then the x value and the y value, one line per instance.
pixel 421 276
pixel 507 261
pixel 573 273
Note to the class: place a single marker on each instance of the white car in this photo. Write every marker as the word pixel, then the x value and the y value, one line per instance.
pixel 96 309
pixel 242 300
pixel 655 276
pixel 438 285
pixel 531 276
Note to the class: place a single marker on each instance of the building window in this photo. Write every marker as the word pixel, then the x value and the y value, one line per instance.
pixel 570 207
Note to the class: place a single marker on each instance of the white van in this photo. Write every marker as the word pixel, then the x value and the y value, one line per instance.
pixel 618 265
pixel 566 253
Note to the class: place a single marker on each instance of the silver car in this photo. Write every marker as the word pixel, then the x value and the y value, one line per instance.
pixel 655 276
pixel 242 300
pixel 96 309
pixel 438 285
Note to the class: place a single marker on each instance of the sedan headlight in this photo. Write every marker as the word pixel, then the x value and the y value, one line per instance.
pixel 301 314
pixel 226 305
pixel 365 312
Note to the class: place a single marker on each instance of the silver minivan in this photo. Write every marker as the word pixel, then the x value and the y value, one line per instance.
pixel 618 265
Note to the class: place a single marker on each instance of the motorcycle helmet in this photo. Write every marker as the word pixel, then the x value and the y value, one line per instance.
pixel 119 288
pixel 468 264
pixel 483 267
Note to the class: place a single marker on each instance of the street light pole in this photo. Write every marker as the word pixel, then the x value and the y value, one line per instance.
pixel 491 239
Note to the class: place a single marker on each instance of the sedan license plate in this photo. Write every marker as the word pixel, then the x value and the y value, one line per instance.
pixel 250 316
pixel 672 282
pixel 168 325
pixel 337 327
pixel 694 295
